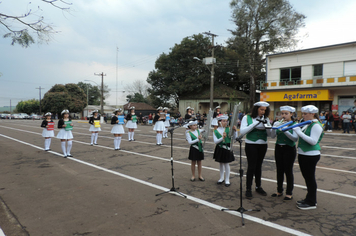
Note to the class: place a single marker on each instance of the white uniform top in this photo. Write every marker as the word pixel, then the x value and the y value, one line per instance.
pixel 245 129
pixel 189 137
pixel 292 136
pixel 315 133
pixel 221 130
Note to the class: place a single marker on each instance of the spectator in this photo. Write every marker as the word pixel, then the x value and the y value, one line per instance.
pixel 354 121
pixel 336 120
pixel 342 120
pixel 329 120
pixel 322 119
pixel 346 120
pixel 204 114
pixel 105 119
pixel 178 115
pixel 140 118
pixel 352 110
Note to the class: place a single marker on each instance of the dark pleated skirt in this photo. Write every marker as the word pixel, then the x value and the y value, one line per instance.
pixel 195 155
pixel 222 155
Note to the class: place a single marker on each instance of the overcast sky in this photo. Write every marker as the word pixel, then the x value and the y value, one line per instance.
pixel 142 30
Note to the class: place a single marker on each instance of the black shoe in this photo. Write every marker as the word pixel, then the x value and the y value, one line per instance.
pixel 300 202
pixel 65 156
pixel 227 185
pixel 95 144
pixel 133 139
pixel 70 155
pixel 306 206
pixel 287 198
pixel 277 195
pixel 220 182
pixel 261 191
pixel 248 194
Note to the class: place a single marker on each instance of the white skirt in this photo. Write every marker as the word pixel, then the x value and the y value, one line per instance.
pixel 63 134
pixel 92 128
pixel 167 124
pixel 131 125
pixel 118 129
pixel 47 133
pixel 159 126
pixel 214 122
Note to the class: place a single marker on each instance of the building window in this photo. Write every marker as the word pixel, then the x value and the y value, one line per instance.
pixel 291 74
pixel 318 70
pixel 349 68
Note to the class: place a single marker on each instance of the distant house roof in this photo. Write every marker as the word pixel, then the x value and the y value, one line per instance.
pixel 139 106
pixel 220 92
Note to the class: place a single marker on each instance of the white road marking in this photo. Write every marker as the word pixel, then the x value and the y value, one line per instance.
pixel 339 148
pixel 194 199
pixel 2 232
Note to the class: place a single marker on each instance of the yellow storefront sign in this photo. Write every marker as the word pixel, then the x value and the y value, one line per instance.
pixel 301 95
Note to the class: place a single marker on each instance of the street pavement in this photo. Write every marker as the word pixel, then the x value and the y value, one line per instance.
pixel 100 191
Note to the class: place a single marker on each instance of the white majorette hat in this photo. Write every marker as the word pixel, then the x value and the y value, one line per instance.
pixel 310 109
pixel 223 117
pixel 48 114
pixel 116 110
pixel 165 108
pixel 218 107
pixel 287 108
pixel 159 108
pixel 64 111
pixel 261 104
pixel 188 108
pixel 192 123
pixel 132 108
pixel 95 111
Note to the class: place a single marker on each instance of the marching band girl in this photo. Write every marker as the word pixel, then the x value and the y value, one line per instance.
pixel 256 144
pixel 166 122
pixel 285 153
pixel 94 130
pixel 222 153
pixel 117 129
pixel 196 153
pixel 131 123
pixel 309 154
pixel 159 125
pixel 65 135
pixel 47 134
pixel 216 114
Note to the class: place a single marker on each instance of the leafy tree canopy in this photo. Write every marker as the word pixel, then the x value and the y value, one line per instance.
pixel 23 27
pixel 180 71
pixel 60 97
pixel 262 27
pixel 28 106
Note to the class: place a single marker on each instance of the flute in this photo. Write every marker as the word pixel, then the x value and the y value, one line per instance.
pixel 281 126
pixel 297 125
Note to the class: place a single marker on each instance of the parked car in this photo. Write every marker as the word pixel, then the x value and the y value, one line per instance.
pixel 4 116
pixel 23 116
pixel 35 117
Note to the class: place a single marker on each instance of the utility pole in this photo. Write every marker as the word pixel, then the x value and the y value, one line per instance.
pixel 117 51
pixel 102 93
pixel 40 97
pixel 212 70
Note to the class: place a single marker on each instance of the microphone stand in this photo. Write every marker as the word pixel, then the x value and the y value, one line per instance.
pixel 173 189
pixel 241 172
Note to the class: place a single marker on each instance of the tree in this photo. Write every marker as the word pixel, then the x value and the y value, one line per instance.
pixel 262 27
pixel 180 72
pixel 60 97
pixel 94 92
pixel 22 28
pixel 138 86
pixel 137 97
pixel 29 106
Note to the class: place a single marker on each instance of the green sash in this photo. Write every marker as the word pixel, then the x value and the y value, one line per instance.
pixel 199 142
pixel 306 146
pixel 255 134
pixel 282 138
pixel 134 118
pixel 226 141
